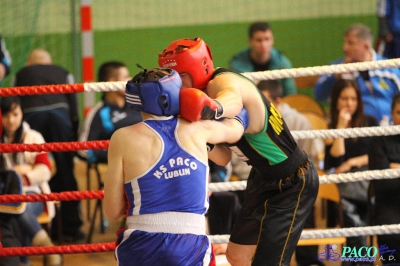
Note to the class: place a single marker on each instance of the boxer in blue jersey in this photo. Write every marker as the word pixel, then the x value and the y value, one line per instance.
pixel 283 183
pixel 157 175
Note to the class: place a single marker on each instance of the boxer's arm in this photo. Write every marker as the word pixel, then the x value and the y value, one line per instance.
pixel 220 154
pixel 228 130
pixel 114 196
pixel 227 89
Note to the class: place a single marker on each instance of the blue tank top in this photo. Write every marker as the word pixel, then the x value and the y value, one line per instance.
pixel 176 182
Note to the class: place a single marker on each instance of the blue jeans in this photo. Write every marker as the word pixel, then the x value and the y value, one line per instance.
pixel 28 219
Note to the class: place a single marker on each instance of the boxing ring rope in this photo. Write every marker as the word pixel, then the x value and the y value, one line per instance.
pixel 321 70
pixel 67 249
pixel 323 179
pixel 65 196
pixel 216 239
pixel 328 233
pixel 213 187
pixel 297 134
pixel 255 76
pixel 347 132
pixel 54 146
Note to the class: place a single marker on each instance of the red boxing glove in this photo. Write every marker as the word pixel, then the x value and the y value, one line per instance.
pixel 196 105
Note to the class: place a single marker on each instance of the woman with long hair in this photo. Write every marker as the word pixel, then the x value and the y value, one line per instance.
pixel 343 155
pixel 346 110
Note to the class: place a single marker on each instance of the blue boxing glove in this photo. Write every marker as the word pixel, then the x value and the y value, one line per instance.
pixel 243 118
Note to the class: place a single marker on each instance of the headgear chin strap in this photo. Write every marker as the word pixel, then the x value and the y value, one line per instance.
pixel 192 56
pixel 155 91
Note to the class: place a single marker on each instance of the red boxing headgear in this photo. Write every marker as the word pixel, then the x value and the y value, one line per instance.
pixel 192 56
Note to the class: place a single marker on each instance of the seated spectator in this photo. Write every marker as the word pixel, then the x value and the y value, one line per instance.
pixel 10 183
pixel 261 55
pixel 110 114
pixel 35 171
pixel 343 155
pixel 384 153
pixel 377 86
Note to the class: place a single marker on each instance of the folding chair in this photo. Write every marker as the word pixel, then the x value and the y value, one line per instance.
pixel 303 102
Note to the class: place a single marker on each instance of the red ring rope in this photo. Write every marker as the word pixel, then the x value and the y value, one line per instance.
pixel 54 146
pixel 42 89
pixel 66 196
pixel 67 249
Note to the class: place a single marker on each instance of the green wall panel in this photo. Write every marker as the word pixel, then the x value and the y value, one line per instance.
pixel 307 42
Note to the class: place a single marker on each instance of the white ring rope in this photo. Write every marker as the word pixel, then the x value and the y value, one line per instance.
pixel 360 176
pixel 104 86
pixel 321 70
pixel 327 233
pixel 352 231
pixel 272 74
pixel 323 179
pixel 347 132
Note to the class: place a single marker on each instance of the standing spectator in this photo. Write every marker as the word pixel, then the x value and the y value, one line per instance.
pixel 110 114
pixel 377 86
pixel 55 116
pixel 34 170
pixel 384 153
pixel 261 55
pixel 5 60
pixel 350 154
pixel 389 28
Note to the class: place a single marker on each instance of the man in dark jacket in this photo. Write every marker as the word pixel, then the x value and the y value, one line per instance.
pixel 55 116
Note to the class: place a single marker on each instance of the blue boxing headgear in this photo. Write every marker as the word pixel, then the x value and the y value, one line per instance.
pixel 155 91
